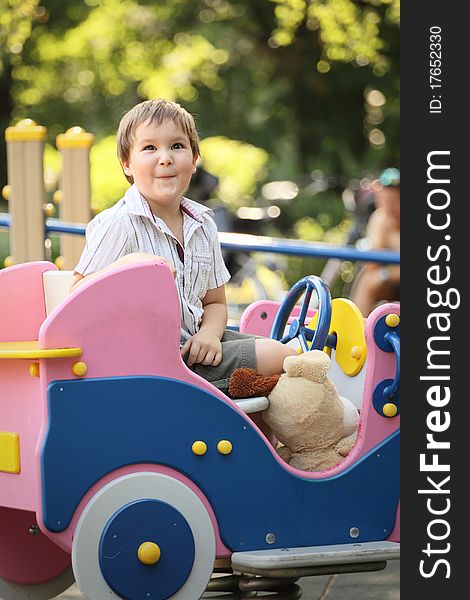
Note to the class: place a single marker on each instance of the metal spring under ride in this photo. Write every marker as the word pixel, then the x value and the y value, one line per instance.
pixel 279 584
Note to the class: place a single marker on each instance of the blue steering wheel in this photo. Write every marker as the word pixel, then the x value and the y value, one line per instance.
pixel 297 329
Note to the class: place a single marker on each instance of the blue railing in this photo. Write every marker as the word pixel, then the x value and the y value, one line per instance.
pixel 256 243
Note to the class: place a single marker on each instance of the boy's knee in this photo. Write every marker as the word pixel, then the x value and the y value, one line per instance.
pixel 270 355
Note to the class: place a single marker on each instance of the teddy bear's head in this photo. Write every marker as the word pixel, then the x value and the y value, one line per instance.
pixel 305 411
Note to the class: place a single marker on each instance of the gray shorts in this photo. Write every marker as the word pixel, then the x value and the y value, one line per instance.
pixel 238 350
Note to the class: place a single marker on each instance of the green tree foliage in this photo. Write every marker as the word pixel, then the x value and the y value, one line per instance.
pixel 238 165
pixel 350 31
pixel 15 26
pixel 16 21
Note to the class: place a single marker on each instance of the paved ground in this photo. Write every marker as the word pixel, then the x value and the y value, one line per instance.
pixel 380 585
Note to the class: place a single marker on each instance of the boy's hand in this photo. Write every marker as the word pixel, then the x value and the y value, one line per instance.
pixel 204 348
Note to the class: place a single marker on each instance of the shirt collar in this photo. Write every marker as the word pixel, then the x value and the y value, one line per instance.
pixel 137 205
pixel 194 209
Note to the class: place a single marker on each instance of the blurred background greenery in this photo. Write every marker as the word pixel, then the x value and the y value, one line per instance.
pixel 294 99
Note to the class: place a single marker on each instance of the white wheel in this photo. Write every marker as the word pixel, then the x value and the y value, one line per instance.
pixel 126 513
pixel 41 591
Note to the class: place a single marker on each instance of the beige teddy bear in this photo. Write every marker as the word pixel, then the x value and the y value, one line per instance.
pixel 306 413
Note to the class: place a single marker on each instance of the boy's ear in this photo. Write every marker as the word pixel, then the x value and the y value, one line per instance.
pixel 127 172
pixel 195 159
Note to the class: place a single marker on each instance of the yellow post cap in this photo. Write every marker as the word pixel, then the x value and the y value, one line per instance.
pixel 199 448
pixel 149 553
pixel 49 209
pixel 60 262
pixel 34 369
pixel 224 447
pixel 79 368
pixel 390 409
pixel 6 191
pixel 57 196
pixel 25 130
pixel 392 320
pixel 9 261
pixel 75 137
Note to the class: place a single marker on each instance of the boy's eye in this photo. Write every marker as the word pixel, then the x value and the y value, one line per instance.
pixel 178 146
pixel 150 147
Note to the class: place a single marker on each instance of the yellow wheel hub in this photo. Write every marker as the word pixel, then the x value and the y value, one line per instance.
pixel 148 553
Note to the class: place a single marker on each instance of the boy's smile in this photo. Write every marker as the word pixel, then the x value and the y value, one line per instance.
pixel 161 162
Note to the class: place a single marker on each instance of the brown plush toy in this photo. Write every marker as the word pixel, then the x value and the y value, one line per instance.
pixel 305 411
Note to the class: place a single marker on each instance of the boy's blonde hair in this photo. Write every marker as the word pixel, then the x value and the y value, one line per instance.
pixel 154 111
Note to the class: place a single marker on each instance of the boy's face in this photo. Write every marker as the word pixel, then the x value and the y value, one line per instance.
pixel 161 162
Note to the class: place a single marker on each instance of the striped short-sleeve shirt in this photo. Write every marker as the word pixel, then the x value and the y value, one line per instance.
pixel 130 226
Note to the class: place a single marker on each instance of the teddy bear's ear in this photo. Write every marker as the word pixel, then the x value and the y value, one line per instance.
pixel 313 365
pixel 248 383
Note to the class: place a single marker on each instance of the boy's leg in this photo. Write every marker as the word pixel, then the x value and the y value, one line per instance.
pixel 270 355
pixel 241 350
pixel 238 350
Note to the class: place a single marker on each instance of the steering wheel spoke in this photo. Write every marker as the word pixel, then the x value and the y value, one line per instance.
pixel 303 340
pixel 286 339
pixel 305 304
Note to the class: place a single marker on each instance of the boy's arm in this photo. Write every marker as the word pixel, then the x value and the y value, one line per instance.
pixel 78 278
pixel 215 315
pixel 204 347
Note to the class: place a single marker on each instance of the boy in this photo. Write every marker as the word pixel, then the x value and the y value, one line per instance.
pixel 158 147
